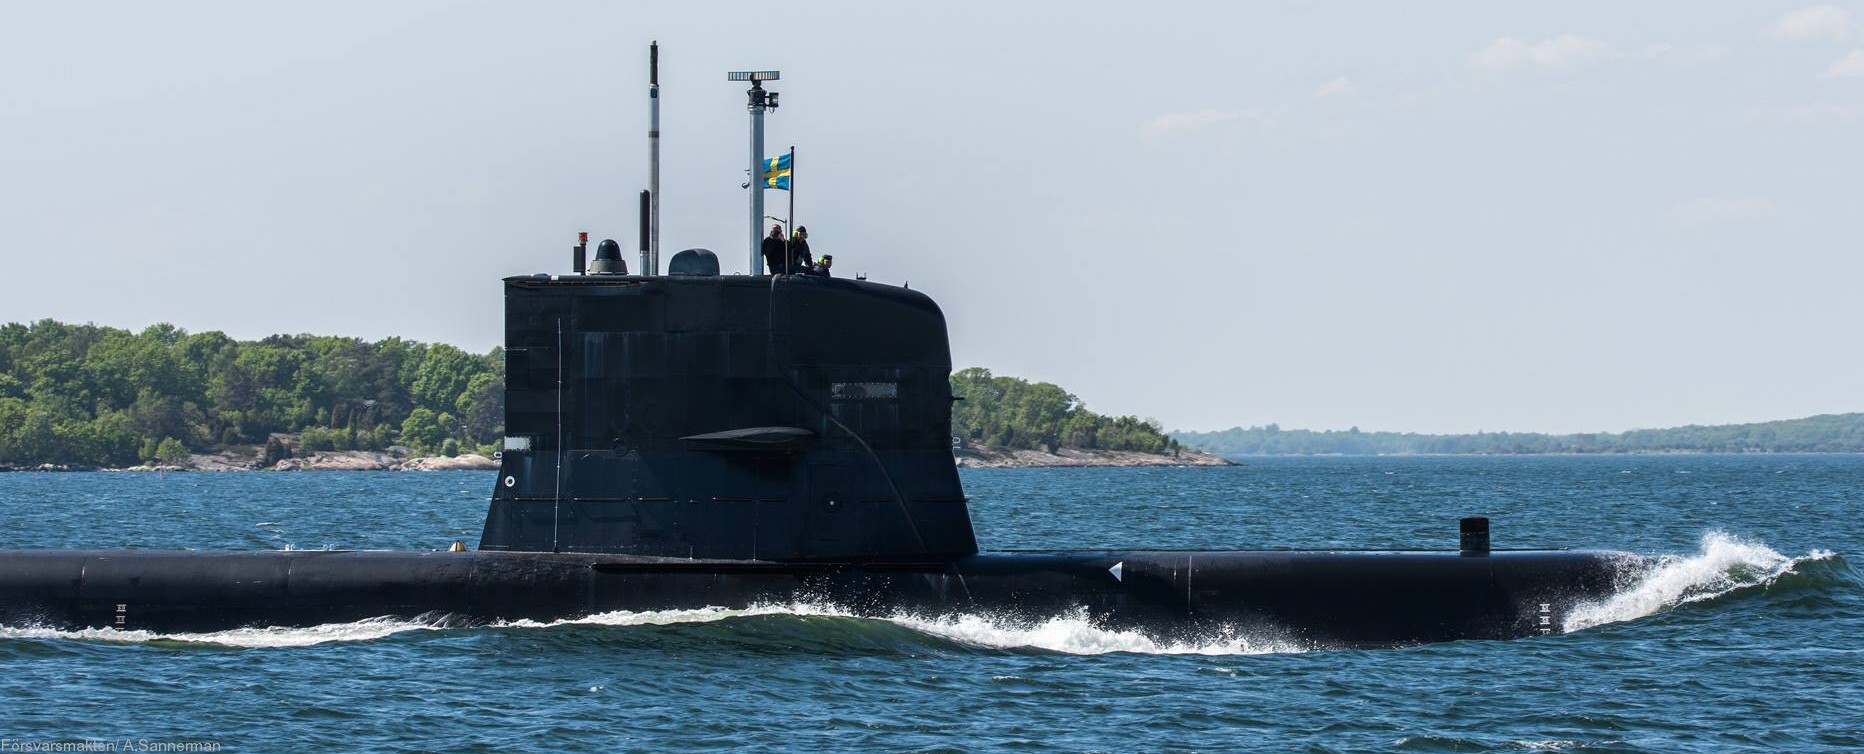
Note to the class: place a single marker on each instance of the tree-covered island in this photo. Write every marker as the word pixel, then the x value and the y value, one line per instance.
pixel 1013 413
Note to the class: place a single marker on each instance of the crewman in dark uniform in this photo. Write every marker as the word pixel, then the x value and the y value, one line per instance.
pixel 801 261
pixel 776 251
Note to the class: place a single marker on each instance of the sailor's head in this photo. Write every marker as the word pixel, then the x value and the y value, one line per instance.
pixel 828 260
pixel 801 232
pixel 776 231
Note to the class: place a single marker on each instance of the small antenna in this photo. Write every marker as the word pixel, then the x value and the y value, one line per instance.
pixel 650 252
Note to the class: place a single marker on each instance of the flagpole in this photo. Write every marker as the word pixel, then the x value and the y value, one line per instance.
pixel 789 238
pixel 793 192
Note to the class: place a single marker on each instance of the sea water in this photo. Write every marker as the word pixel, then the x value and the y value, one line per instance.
pixel 1747 635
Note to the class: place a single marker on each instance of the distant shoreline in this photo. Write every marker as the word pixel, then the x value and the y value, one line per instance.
pixel 1556 454
pixel 1825 433
pixel 994 458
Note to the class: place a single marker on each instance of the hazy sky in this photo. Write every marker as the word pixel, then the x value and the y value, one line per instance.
pixel 1405 216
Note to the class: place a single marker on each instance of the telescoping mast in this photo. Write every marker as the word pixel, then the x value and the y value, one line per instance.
pixel 760 100
pixel 650 251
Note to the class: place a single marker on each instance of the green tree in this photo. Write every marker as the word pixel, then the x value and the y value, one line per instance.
pixel 482 407
pixel 423 430
pixel 274 452
pixel 14 449
pixel 171 452
pixel 442 376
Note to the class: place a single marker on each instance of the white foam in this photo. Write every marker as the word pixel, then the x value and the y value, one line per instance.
pixel 1723 564
pixel 376 628
pixel 362 630
pixel 1075 634
pixel 676 617
pixel 90 634
pixel 1069 634
pixel 1561 745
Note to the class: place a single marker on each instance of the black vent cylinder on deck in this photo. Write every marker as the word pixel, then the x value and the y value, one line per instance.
pixel 1475 535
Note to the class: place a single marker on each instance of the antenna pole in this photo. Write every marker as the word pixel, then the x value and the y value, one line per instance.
pixel 760 101
pixel 757 172
pixel 650 257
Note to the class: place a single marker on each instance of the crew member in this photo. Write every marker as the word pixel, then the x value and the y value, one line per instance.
pixel 801 261
pixel 776 251
pixel 821 268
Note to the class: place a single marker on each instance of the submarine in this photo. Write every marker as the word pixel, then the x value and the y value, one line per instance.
pixel 697 439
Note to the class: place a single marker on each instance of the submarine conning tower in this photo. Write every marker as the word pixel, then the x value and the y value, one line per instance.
pixel 787 418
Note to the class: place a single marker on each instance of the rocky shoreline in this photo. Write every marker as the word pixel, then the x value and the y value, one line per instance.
pixel 993 458
pixel 365 461
pixel 348 460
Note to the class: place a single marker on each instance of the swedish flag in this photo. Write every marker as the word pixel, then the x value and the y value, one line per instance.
pixel 777 173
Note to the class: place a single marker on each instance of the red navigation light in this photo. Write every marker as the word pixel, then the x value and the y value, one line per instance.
pixel 582 237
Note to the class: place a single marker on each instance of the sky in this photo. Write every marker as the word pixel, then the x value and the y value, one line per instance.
pixel 1439 217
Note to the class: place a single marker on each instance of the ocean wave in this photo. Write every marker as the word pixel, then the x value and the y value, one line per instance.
pixel 823 625
pixel 1723 565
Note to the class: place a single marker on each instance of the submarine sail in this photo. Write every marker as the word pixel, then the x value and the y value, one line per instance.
pixel 788 418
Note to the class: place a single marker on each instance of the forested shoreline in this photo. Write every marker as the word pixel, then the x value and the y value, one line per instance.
pixel 87 395
pixel 1013 413
pixel 1828 433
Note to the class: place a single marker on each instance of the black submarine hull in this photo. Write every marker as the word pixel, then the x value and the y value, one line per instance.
pixel 1313 598
pixel 704 440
